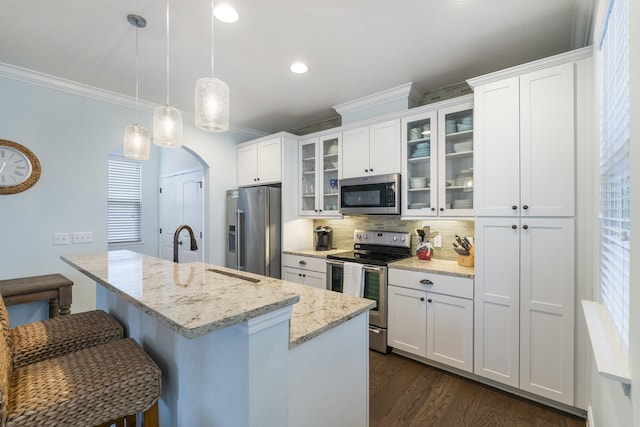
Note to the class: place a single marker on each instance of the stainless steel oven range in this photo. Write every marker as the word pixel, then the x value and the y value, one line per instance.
pixel 375 250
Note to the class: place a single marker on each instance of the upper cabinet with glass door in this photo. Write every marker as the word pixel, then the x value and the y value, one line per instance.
pixel 319 163
pixel 455 167
pixel 419 174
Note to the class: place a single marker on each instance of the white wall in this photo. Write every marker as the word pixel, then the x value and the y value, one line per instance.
pixel 611 403
pixel 72 135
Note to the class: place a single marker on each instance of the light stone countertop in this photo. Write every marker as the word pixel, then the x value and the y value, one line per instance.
pixel 193 300
pixel 437 266
pixel 314 253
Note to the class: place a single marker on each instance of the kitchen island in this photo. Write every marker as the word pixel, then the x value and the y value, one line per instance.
pixel 238 349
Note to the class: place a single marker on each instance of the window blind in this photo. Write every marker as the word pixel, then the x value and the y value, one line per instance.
pixel 124 201
pixel 615 192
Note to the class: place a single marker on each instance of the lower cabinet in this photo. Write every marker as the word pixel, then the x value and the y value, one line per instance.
pixel 431 316
pixel 305 270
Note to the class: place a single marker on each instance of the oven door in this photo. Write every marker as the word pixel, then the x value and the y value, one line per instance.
pixel 375 288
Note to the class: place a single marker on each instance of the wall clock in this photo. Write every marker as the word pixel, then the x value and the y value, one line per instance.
pixel 19 167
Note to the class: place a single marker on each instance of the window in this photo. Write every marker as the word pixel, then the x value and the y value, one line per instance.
pixel 615 190
pixel 124 201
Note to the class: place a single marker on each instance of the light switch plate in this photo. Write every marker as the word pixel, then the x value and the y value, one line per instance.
pixel 437 241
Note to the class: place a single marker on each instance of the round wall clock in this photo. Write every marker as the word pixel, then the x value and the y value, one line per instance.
pixel 19 167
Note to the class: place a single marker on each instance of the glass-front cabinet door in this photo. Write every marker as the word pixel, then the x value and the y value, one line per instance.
pixel 319 166
pixel 419 174
pixel 455 168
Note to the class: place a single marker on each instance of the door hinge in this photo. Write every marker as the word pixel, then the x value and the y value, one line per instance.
pixel 160 190
pixel 161 231
pixel 200 184
pixel 201 234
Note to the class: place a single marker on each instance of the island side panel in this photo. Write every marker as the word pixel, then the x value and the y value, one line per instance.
pixel 230 377
pixel 329 377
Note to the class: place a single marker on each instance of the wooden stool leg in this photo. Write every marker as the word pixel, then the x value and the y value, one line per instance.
pixel 131 420
pixel 151 416
pixel 120 422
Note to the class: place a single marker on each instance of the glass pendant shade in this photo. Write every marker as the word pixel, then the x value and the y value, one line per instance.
pixel 212 105
pixel 137 141
pixel 167 126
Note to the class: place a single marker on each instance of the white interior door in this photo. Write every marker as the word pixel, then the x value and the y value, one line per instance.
pixel 181 202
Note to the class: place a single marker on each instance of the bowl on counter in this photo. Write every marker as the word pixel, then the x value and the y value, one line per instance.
pixel 462 146
pixel 418 182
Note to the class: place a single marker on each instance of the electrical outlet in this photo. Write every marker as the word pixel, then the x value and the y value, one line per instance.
pixel 437 241
pixel 82 237
pixel 61 238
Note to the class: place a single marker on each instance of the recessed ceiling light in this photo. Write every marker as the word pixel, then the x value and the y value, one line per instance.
pixel 226 13
pixel 299 68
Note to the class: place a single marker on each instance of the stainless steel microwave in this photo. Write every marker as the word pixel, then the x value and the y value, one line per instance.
pixel 370 195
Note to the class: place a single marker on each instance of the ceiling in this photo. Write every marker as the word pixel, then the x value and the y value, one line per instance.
pixel 353 48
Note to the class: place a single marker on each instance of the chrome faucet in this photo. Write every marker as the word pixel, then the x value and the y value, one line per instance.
pixel 194 245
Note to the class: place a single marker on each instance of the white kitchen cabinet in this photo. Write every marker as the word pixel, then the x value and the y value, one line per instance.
pixel 407 327
pixel 420 163
pixel 305 270
pixel 438 147
pixel 450 330
pixel 319 168
pixel 524 304
pixel 260 162
pixel 525 145
pixel 371 150
pixel 431 316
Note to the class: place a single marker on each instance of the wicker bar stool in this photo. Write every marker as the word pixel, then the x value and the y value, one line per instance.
pixel 85 385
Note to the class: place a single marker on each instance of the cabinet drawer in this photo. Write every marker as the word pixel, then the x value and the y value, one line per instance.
pixel 305 262
pixel 438 283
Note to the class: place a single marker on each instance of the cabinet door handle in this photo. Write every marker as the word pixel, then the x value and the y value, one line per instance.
pixel 525 207
pixel 514 207
pixel 421 298
pixel 304 275
pixel 370 170
pixel 429 300
pixel 526 227
pixel 433 209
pixel 426 282
pixel 303 262
pixel 514 226
pixel 441 209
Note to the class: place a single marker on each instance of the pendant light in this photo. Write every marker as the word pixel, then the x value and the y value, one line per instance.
pixel 137 138
pixel 167 121
pixel 212 98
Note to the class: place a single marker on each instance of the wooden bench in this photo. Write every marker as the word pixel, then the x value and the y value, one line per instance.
pixel 53 287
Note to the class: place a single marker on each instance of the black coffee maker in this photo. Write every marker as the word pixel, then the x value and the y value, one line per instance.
pixel 323 238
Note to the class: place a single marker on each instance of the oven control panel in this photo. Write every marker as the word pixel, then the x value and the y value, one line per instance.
pixel 383 238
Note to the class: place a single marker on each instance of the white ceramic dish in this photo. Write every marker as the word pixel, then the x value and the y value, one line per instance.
pixel 418 182
pixel 462 146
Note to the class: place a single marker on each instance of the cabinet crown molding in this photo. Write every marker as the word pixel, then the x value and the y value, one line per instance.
pixel 562 58
pixel 409 91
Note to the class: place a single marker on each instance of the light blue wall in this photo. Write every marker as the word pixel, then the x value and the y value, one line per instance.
pixel 72 135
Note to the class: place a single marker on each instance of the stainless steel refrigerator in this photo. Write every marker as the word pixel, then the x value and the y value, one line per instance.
pixel 253 230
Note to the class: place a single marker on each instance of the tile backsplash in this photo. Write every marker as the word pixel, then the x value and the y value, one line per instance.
pixel 342 230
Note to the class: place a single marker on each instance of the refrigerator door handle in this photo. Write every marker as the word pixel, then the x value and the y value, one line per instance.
pixel 239 236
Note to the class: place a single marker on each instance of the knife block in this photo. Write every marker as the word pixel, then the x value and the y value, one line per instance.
pixel 467 260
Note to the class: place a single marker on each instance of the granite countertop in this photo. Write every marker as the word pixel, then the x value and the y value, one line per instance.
pixel 314 253
pixel 439 266
pixel 196 298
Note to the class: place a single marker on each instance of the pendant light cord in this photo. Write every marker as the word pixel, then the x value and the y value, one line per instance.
pixel 212 21
pixel 167 52
pixel 137 77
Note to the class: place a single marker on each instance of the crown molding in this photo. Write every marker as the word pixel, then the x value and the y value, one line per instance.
pixel 562 58
pixel 405 91
pixel 52 82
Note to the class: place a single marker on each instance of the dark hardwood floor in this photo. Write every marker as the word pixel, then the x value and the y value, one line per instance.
pixel 404 393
